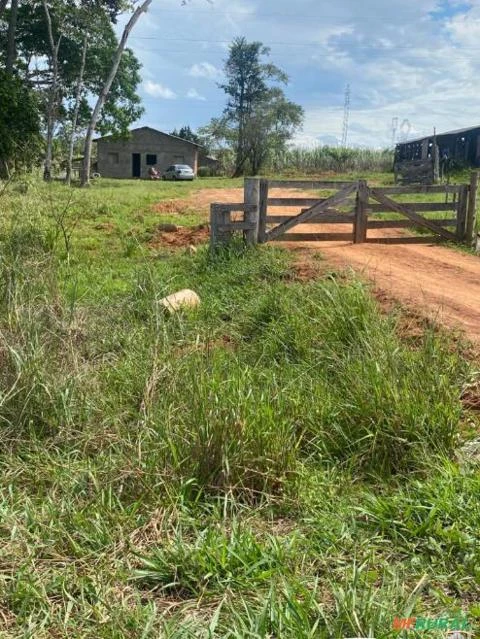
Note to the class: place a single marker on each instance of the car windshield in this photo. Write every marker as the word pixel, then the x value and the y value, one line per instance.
pixel 183 167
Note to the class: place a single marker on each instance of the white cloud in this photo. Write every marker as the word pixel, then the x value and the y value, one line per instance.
pixel 465 28
pixel 157 90
pixel 417 68
pixel 193 94
pixel 414 60
pixel 205 70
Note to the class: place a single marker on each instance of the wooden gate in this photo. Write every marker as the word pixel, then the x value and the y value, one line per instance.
pixel 435 212
pixel 314 210
pixel 362 212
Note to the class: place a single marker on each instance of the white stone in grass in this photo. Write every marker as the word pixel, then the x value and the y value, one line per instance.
pixel 180 300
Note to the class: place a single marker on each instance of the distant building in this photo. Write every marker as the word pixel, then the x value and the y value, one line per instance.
pixel 145 147
pixel 462 145
pixel 208 162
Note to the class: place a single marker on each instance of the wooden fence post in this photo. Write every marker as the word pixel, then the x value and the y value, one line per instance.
pixel 219 219
pixel 252 197
pixel 262 212
pixel 472 209
pixel 361 213
pixel 436 160
pixel 462 205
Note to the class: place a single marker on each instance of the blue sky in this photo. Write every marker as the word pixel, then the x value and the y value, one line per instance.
pixel 410 63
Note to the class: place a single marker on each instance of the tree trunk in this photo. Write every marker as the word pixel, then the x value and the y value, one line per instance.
pixel 52 98
pixel 240 161
pixel 11 44
pixel 240 156
pixel 87 155
pixel 239 168
pixel 78 96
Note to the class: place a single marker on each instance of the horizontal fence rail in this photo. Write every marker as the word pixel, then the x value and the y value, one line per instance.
pixel 405 224
pixel 265 216
pixel 314 237
pixel 308 184
pixel 327 218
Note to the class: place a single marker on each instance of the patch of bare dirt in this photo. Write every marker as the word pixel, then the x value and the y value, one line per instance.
pixel 305 269
pixel 471 398
pixel 172 207
pixel 105 226
pixel 183 237
pixel 201 200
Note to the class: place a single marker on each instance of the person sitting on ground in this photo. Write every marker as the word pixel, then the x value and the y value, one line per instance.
pixel 153 174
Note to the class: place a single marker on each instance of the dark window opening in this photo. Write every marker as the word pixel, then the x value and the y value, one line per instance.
pixel 151 159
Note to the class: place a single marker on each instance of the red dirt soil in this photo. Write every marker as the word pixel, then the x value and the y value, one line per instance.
pixel 182 237
pixel 441 283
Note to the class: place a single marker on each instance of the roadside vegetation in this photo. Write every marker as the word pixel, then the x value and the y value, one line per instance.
pixel 285 461
pixel 336 159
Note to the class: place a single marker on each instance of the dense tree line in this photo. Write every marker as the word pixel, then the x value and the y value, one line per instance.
pixel 57 59
pixel 64 74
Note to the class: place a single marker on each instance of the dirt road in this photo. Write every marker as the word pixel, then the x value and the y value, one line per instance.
pixel 441 283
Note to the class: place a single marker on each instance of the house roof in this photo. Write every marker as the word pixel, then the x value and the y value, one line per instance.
pixel 440 135
pixel 149 128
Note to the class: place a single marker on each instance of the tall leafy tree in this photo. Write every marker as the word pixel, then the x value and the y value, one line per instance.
pixel 67 52
pixel 77 41
pixel 105 90
pixel 271 126
pixel 258 117
pixel 53 93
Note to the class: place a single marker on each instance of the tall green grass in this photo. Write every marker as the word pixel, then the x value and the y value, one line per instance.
pixel 278 462
pixel 335 159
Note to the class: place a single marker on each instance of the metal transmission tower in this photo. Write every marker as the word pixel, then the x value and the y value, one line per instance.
pixel 346 116
pixel 405 129
pixel 395 122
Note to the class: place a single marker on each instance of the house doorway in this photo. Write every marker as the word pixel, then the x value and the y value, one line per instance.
pixel 136 165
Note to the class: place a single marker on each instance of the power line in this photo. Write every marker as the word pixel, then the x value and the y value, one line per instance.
pixel 366 47
pixel 377 54
pixel 282 42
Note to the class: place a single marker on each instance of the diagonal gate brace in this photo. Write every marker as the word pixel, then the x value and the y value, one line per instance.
pixel 305 216
pixel 409 212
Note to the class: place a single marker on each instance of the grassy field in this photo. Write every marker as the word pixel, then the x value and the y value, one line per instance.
pixel 284 461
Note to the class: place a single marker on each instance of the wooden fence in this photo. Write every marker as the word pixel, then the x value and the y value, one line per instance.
pixel 355 206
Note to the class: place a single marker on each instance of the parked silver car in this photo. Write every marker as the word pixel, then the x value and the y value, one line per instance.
pixel 179 172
